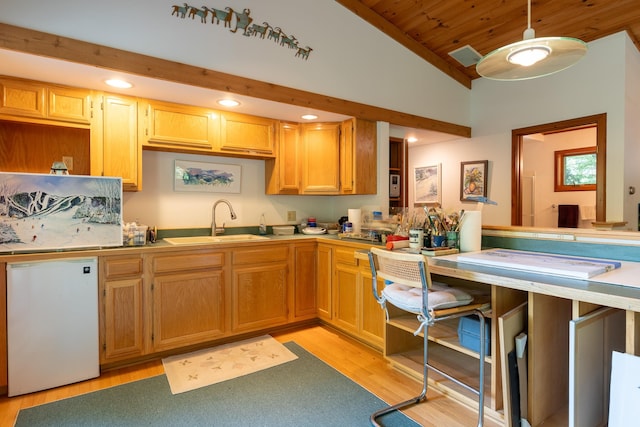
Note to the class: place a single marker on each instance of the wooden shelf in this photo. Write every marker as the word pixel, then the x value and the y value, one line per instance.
pixel 447 360
pixel 444 333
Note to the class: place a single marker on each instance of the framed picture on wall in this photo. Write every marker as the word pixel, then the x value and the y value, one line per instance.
pixel 473 179
pixel 206 177
pixel 428 185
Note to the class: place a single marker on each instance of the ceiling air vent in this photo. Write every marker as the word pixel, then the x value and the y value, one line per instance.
pixel 466 55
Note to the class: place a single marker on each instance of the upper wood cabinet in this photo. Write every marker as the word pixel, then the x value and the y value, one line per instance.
pixel 26 99
pixel 358 171
pixel 324 158
pixel 121 154
pixel 282 173
pixel 71 105
pixel 244 134
pixel 320 158
pixel 179 127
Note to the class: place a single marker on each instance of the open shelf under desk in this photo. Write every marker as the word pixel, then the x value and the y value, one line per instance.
pixel 444 333
pixel 450 361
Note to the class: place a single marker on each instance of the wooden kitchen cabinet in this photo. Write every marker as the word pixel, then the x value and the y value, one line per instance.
pixel 121 294
pixel 320 158
pixel 324 279
pixel 282 173
pixel 71 105
pixel 24 99
pixel 304 282
pixel 358 163
pixel 189 298
pixel 118 132
pixel 353 308
pixel 171 127
pixel 260 288
pixel 247 135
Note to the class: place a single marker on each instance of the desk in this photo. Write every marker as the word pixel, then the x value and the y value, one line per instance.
pixel 554 304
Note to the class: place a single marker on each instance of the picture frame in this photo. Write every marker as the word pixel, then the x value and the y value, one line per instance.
pixel 190 176
pixel 428 185
pixel 473 179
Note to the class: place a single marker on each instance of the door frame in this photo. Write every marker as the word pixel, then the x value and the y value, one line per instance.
pixel 517 157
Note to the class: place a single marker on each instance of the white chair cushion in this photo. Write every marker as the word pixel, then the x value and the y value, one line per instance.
pixel 440 296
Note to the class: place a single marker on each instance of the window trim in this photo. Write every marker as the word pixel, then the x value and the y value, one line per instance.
pixel 559 170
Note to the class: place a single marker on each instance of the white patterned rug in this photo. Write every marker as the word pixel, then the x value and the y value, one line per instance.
pixel 213 365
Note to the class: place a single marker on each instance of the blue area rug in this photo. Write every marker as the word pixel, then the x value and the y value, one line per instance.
pixel 303 392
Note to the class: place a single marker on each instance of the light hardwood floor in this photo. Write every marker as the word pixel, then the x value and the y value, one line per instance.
pixel 355 360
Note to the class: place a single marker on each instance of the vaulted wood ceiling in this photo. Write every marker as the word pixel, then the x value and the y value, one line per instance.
pixel 433 28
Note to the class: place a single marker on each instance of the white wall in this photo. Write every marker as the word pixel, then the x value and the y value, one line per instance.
pixel 599 83
pixel 632 136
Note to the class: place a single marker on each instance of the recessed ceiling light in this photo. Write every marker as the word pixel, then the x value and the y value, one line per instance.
pixel 120 84
pixel 228 102
pixel 309 117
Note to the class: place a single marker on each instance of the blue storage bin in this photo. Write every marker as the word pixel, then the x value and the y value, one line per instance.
pixel 469 333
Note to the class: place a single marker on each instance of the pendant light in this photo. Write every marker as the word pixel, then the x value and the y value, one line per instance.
pixel 532 57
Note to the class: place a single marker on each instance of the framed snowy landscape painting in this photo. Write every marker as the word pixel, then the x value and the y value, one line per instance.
pixel 41 212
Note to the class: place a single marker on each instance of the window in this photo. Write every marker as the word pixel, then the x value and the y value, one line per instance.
pixel 575 170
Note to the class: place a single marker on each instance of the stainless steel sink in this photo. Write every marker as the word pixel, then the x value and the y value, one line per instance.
pixel 201 240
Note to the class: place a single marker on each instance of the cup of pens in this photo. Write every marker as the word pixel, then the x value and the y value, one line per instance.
pixel 438 240
pixel 453 239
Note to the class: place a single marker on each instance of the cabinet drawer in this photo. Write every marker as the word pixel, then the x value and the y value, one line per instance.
pixel 187 261
pixel 346 256
pixel 121 267
pixel 257 256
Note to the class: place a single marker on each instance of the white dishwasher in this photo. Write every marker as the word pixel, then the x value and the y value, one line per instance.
pixel 52 323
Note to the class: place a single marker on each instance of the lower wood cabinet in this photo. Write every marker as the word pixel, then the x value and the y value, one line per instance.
pixel 259 288
pixel 345 295
pixel 121 290
pixel 304 282
pixel 188 308
pixel 188 294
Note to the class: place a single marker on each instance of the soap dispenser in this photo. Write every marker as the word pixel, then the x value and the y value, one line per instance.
pixel 263 225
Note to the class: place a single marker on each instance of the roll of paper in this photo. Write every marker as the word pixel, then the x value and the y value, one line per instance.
pixel 355 218
pixel 471 232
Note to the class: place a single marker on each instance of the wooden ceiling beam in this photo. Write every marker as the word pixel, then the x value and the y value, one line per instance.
pixel 78 51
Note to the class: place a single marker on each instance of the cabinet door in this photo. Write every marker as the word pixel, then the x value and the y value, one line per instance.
pixel 372 315
pixel 358 161
pixel 324 281
pixel 21 98
pixel 180 126
pixel 121 156
pixel 320 163
pixel 347 165
pixel 188 308
pixel 123 320
pixel 247 134
pixel 72 105
pixel 282 174
pixel 345 297
pixel 259 296
pixel 305 293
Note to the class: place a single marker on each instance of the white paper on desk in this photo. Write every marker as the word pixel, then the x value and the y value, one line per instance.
pixel 624 407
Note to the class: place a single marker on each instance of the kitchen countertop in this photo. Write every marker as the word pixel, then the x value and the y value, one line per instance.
pixel 162 246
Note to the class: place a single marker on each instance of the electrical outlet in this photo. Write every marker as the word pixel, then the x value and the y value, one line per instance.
pixel 68 160
pixel 291 215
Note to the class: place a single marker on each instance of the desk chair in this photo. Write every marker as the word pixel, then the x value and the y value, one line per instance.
pixel 408 286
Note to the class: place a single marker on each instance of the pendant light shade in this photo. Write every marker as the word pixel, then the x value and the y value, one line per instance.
pixel 531 57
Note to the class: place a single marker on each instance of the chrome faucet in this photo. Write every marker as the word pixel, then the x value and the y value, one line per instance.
pixel 214 228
